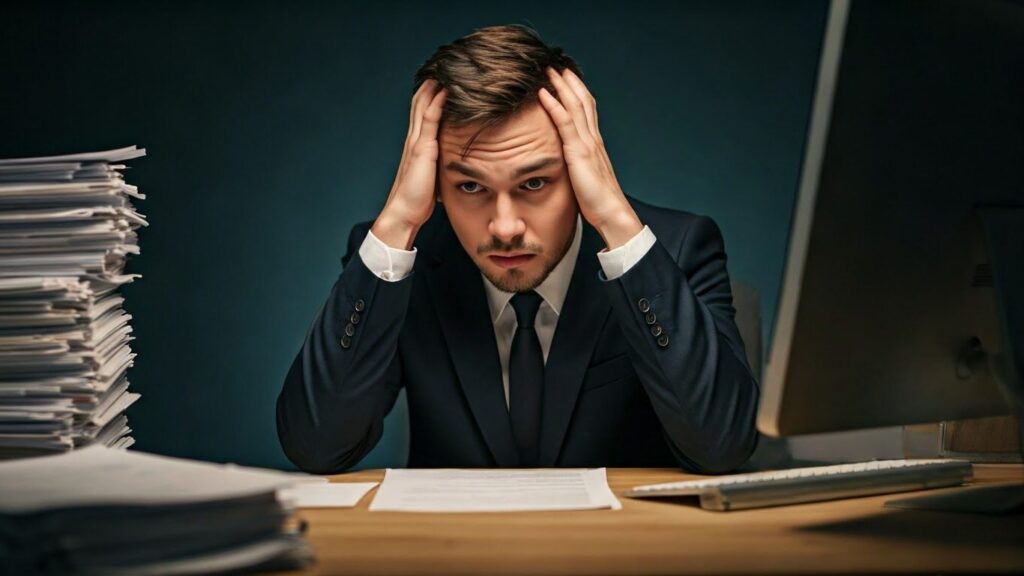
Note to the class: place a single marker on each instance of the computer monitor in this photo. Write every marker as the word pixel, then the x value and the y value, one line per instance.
pixel 902 293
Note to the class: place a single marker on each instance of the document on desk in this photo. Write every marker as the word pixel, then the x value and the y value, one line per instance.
pixel 326 495
pixel 456 490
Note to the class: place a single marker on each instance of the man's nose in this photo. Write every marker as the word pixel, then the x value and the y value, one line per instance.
pixel 506 223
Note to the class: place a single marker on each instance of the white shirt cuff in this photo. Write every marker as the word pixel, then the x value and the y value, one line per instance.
pixel 617 262
pixel 386 263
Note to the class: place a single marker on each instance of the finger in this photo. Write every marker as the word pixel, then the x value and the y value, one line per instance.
pixel 588 100
pixel 415 111
pixel 415 98
pixel 425 85
pixel 571 103
pixel 428 90
pixel 432 117
pixel 562 119
pixel 590 105
pixel 420 105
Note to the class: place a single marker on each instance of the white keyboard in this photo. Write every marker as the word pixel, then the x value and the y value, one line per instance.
pixel 796 485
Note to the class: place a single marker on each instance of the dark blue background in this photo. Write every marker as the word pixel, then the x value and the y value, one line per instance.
pixel 272 127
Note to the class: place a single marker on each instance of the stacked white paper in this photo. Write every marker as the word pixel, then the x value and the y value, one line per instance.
pixel 67 224
pixel 103 511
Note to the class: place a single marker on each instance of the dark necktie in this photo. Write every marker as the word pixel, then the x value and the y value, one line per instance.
pixel 526 378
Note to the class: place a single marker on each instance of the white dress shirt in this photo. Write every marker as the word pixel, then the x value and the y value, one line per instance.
pixel 394 264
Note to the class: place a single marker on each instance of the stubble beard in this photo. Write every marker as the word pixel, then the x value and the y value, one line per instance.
pixel 514 280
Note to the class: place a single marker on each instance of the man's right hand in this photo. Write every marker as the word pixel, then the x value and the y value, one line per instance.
pixel 411 200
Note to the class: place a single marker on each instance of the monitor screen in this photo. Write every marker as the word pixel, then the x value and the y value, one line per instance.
pixel 887 314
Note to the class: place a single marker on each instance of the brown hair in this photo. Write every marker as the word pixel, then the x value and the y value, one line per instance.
pixel 491 73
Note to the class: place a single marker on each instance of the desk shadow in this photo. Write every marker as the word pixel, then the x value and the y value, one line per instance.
pixel 685 501
pixel 912 526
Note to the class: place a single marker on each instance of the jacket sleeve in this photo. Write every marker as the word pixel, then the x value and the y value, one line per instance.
pixel 347 375
pixel 676 312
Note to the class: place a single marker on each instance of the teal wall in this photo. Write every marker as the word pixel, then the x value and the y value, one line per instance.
pixel 271 128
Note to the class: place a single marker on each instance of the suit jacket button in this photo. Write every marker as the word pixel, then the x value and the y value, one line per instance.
pixel 644 305
pixel 360 305
pixel 350 330
pixel 656 330
pixel 346 341
pixel 650 318
pixel 354 318
pixel 663 341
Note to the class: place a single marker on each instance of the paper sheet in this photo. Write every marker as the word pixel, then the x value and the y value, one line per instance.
pixel 453 490
pixel 333 495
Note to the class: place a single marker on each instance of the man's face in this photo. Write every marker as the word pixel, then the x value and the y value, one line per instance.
pixel 510 200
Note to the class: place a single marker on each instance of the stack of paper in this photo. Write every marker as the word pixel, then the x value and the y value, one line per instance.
pixel 103 511
pixel 66 226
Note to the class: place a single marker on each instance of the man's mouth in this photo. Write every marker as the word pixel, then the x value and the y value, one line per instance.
pixel 511 260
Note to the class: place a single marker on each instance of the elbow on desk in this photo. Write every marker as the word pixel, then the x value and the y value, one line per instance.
pixel 717 462
pixel 311 450
pixel 731 435
pixel 731 451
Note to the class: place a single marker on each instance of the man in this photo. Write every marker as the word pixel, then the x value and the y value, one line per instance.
pixel 535 314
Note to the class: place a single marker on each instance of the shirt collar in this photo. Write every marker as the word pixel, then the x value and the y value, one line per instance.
pixel 552 289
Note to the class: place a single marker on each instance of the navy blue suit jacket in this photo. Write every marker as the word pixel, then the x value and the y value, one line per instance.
pixel 613 396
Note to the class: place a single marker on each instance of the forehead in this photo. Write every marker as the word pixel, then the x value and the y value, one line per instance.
pixel 530 132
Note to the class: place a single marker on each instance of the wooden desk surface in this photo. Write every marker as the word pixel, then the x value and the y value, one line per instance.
pixel 654 537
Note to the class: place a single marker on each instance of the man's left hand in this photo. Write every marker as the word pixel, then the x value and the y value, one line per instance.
pixel 598 193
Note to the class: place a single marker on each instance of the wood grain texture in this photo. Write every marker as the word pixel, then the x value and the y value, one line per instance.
pixel 995 434
pixel 662 537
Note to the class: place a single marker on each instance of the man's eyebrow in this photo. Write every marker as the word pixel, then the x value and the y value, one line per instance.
pixel 532 167
pixel 542 163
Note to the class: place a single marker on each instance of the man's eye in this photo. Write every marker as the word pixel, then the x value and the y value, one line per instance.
pixel 542 181
pixel 460 187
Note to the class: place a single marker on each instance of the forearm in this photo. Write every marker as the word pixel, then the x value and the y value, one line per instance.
pixel 619 223
pixel 698 383
pixel 395 229
pixel 331 408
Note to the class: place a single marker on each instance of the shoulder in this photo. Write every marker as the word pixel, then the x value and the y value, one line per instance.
pixel 678 230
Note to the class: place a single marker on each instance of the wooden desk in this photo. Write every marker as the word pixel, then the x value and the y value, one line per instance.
pixel 652 537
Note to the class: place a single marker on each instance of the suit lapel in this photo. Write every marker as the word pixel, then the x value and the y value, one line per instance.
pixel 458 291
pixel 583 315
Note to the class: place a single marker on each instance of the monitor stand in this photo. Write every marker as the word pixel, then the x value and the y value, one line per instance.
pixel 1003 227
